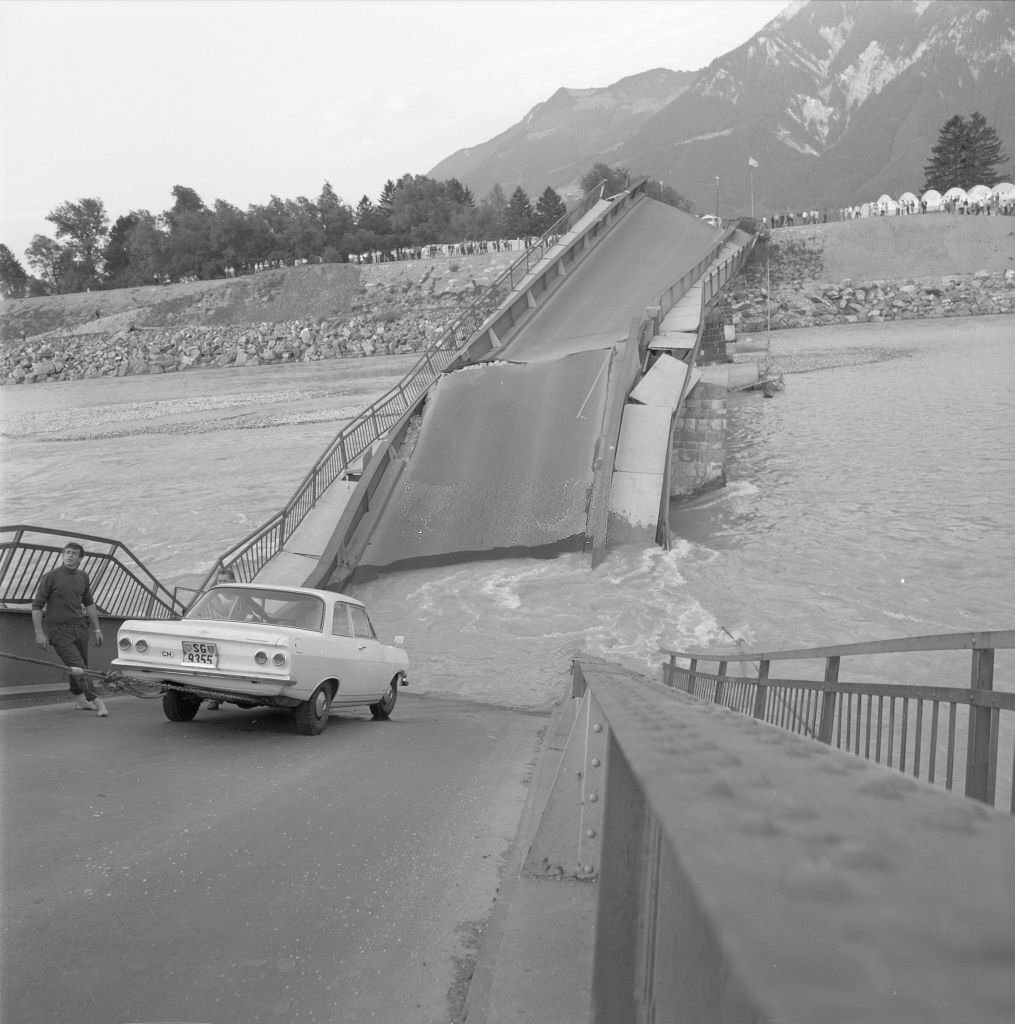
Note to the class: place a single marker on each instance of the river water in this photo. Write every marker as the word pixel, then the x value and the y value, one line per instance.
pixel 871 499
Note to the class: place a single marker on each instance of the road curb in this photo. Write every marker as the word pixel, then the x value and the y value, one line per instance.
pixel 513 980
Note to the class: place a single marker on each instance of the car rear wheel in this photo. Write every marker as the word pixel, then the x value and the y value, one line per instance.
pixel 179 707
pixel 312 715
pixel 384 707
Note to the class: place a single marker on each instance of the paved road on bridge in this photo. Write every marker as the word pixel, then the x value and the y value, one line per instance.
pixel 503 463
pixel 229 871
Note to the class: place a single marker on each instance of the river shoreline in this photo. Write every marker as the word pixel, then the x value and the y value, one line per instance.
pixel 873 271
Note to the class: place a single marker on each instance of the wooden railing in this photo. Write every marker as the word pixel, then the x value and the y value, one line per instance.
pixel 355 440
pixel 946 735
pixel 121 585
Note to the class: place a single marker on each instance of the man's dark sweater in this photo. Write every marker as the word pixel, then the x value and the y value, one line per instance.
pixel 64 593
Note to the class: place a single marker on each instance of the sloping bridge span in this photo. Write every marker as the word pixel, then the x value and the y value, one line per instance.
pixel 505 455
pixel 503 464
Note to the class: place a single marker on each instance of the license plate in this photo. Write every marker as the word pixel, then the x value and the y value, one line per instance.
pixel 199 652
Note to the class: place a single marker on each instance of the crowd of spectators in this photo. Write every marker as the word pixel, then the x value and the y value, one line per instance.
pixel 418 252
pixel 977 201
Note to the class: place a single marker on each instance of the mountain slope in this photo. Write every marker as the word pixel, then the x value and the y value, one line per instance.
pixel 558 140
pixel 838 102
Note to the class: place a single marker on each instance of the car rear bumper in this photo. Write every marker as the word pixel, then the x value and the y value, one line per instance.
pixel 249 686
pixel 271 700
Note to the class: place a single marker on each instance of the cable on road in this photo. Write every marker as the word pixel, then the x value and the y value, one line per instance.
pixel 106 683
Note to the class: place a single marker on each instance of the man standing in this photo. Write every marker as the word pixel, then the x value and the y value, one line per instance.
pixel 65 594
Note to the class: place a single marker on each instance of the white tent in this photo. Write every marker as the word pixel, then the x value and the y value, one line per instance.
pixel 954 195
pixel 1003 190
pixel 979 194
pixel 931 199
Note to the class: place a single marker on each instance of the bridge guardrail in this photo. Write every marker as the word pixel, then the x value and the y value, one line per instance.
pixel 909 727
pixel 121 585
pixel 748 874
pixel 627 365
pixel 355 440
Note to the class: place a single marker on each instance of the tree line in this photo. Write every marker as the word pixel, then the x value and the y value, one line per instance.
pixel 192 241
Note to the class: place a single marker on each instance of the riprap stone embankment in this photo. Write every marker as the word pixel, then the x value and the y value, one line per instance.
pixel 875 270
pixel 863 271
pixel 301 314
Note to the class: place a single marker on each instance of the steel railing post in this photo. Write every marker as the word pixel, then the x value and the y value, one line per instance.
pixel 828 700
pixel 720 683
pixel 762 691
pixel 670 671
pixel 980 765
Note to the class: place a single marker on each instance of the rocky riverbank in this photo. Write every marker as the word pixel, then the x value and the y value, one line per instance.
pixel 348 312
pixel 865 271
pixel 876 269
pixel 816 304
pixel 146 350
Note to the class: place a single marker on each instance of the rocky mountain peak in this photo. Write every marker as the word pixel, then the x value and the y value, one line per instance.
pixel 837 101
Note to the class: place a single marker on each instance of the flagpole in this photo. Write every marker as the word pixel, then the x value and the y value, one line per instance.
pixel 752 193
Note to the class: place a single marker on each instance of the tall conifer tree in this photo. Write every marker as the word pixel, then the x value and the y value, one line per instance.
pixel 967 153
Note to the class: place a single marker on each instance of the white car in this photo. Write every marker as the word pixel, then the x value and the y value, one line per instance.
pixel 283 647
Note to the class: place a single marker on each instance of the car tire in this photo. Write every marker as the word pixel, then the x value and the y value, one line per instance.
pixel 312 715
pixel 179 707
pixel 384 707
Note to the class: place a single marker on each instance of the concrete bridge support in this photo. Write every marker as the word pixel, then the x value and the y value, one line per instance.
pixel 698 452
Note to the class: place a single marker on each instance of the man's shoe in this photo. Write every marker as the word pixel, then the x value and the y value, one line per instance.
pixel 100 708
pixel 84 704
pixel 214 705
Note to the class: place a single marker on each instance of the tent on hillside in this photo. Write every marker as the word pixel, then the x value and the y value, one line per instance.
pixel 909 202
pixel 979 195
pixel 931 200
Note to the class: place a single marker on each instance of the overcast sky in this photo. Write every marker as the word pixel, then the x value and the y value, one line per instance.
pixel 244 99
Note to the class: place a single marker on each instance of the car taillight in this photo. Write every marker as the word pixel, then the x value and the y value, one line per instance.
pixel 261 658
pixel 278 660
pixel 141 646
pixel 124 644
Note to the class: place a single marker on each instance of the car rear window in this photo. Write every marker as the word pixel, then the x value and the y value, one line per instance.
pixel 253 604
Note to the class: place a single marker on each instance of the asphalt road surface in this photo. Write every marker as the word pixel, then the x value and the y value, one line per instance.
pixel 230 871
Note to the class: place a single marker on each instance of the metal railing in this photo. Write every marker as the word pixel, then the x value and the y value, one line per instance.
pixel 121 585
pixel 946 735
pixel 749 874
pixel 627 365
pixel 356 438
